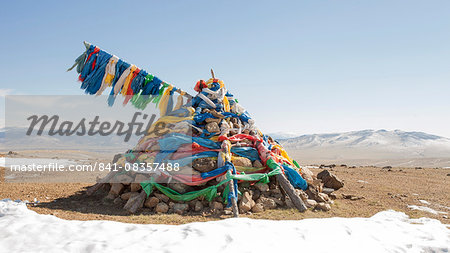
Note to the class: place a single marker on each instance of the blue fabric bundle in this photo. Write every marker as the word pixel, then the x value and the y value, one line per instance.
pixel 87 68
pixel 93 81
pixel 172 141
pixel 248 152
pixel 217 171
pixel 295 178
pixel 138 82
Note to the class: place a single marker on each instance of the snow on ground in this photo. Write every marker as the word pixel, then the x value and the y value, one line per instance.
pixel 23 230
pixel 425 209
pixel 424 202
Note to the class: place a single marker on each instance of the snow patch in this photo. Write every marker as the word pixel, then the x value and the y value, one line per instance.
pixel 424 202
pixel 425 209
pixel 387 231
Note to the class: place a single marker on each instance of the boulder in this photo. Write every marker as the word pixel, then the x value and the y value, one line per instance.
pixel 262 187
pixel 241 161
pixel 216 206
pixel 258 208
pixel 136 185
pixel 267 203
pixel 209 120
pixel 198 206
pixel 162 197
pixel 179 187
pixel 204 164
pixel 116 189
pixel 323 207
pixel 118 200
pixel 162 208
pixel 151 202
pixel 180 208
pixel 327 190
pixel 247 202
pixel 212 127
pixel 330 180
pixel 310 203
pixel 312 193
pixel 128 195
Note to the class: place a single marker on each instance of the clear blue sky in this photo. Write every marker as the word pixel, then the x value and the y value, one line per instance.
pixel 299 66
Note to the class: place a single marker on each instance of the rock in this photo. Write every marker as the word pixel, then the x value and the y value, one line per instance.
pixel 204 164
pixel 180 208
pixel 317 183
pixel 256 194
pixel 128 195
pixel 209 120
pixel 216 206
pixel 332 196
pixel 162 197
pixel 267 203
pixel 179 187
pixel 116 189
pixel 198 206
pixel 246 203
pixel 136 185
pixel 132 200
pixel 241 161
pixel 275 191
pixel 110 196
pixel 262 187
pixel 310 203
pixel 329 180
pixel 258 208
pixel 323 207
pixel 257 164
pixel 327 190
pixel 118 200
pixel 151 202
pixel 323 197
pixel 353 197
pixel 312 193
pixel 212 127
pixel 162 208
pixel 278 201
pixel 302 194
pixel 288 202
pixel 307 174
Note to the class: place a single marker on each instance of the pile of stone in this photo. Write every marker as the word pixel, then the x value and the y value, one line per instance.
pixel 255 198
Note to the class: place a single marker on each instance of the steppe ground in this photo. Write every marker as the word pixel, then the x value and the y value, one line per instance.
pixel 374 188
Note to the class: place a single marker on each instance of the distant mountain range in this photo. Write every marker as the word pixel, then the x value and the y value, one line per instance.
pixel 15 139
pixel 366 147
pixel 370 146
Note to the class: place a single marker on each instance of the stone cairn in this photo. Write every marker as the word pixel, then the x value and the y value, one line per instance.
pixel 226 136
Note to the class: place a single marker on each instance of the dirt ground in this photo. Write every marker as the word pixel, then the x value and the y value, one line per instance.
pixel 375 189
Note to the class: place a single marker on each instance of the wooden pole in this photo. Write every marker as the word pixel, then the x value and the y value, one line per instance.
pixel 289 189
pixel 225 156
pixel 212 74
